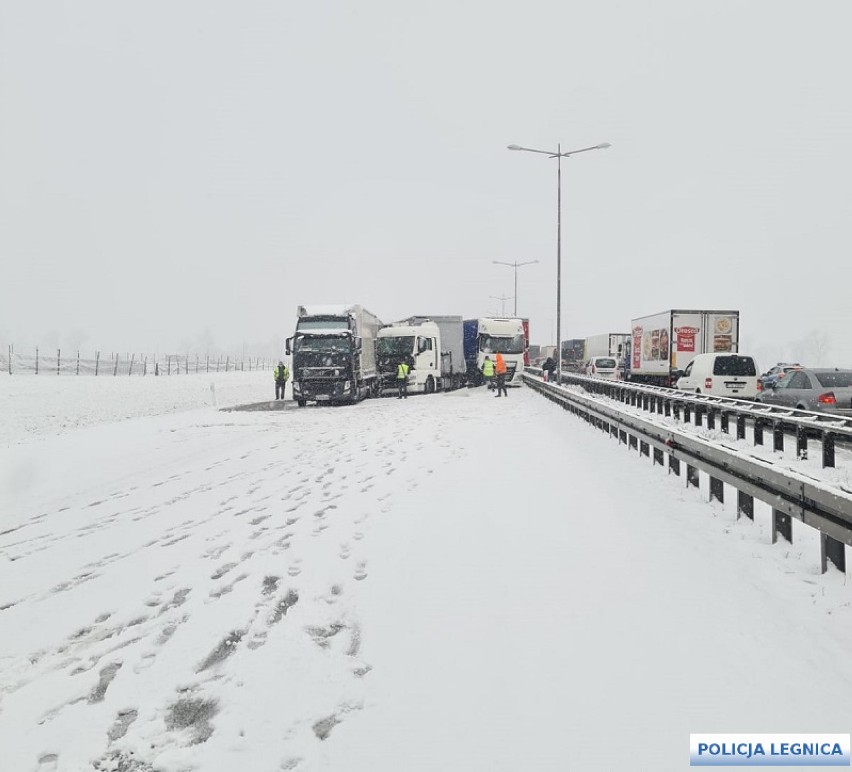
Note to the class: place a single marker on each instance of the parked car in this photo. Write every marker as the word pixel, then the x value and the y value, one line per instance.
pixel 722 375
pixel 821 389
pixel 776 373
pixel 602 367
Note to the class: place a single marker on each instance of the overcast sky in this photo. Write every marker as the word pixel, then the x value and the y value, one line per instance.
pixel 171 171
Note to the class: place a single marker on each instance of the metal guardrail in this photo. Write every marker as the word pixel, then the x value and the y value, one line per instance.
pixel 709 411
pixel 789 493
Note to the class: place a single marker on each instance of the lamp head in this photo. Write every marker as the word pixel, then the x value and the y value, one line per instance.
pixel 514 147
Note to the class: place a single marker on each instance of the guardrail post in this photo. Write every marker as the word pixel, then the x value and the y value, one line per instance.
pixel 782 524
pixel 833 550
pixel 699 409
pixel 778 437
pixel 827 448
pixel 691 476
pixel 711 418
pixel 644 449
pixel 723 422
pixel 802 443
pixel 717 490
pixel 758 432
pixel 676 409
pixel 667 407
pixel 741 427
pixel 687 413
pixel 745 505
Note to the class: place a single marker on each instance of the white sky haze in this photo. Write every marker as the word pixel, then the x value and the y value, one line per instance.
pixel 172 174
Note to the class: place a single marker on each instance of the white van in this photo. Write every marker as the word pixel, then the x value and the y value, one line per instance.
pixel 722 375
pixel 602 367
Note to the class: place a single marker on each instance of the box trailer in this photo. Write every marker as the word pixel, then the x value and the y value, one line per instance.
pixel 662 343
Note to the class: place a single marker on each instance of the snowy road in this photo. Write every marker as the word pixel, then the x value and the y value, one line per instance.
pixel 449 582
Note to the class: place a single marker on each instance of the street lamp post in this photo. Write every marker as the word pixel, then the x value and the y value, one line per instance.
pixel 515 265
pixel 559 155
pixel 502 299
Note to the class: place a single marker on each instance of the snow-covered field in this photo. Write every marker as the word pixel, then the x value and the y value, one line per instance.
pixel 442 583
pixel 49 405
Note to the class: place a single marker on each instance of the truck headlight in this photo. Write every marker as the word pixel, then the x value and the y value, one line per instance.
pixel 346 385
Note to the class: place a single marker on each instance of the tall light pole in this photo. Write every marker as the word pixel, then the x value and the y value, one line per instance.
pixel 502 299
pixel 515 265
pixel 559 155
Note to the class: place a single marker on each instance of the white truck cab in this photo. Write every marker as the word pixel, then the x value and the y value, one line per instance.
pixel 419 346
pixel 507 337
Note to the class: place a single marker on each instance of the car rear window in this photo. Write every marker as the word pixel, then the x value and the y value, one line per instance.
pixel 605 363
pixel 734 365
pixel 836 380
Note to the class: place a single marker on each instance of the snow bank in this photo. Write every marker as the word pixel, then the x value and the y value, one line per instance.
pixel 33 407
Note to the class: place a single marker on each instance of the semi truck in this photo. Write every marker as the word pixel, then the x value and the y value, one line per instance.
pixel 431 346
pixel 334 354
pixel 661 343
pixel 573 354
pixel 489 336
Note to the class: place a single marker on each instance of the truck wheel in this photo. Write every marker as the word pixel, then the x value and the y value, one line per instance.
pixel 301 402
pixel 430 385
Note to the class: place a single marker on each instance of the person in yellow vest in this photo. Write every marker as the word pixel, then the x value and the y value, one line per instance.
pixel 402 379
pixel 488 372
pixel 281 375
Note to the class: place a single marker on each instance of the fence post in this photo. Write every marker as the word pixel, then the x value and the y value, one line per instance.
pixel 145 367
pixel 169 364
pixel 115 366
pixel 227 361
pixel 186 367
pixel 208 363
pixel 196 364
pixel 10 359
pixel 130 369
pixel 58 360
pixel 78 362
pixel 97 361
pixel 36 360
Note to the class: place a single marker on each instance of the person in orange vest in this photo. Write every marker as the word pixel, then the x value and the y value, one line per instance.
pixel 500 370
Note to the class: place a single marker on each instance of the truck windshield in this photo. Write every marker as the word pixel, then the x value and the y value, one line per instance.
pixel 395 346
pixel 501 344
pixel 331 323
pixel 321 350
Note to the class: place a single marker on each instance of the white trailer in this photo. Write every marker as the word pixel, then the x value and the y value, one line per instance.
pixel 668 341
pixel 608 344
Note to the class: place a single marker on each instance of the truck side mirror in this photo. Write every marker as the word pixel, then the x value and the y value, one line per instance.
pixel 288 346
pixel 356 343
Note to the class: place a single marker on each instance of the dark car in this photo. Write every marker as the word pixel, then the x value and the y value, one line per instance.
pixel 776 373
pixel 821 389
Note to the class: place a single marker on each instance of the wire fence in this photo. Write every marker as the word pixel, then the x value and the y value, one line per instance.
pixel 57 362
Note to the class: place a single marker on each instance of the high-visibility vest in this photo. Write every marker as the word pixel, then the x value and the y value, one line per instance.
pixel 401 371
pixel 488 368
pixel 500 367
pixel 281 373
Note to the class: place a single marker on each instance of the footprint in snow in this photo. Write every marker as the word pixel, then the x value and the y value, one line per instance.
pixel 295 569
pixel 360 572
